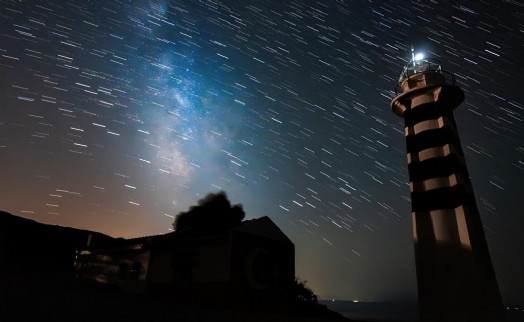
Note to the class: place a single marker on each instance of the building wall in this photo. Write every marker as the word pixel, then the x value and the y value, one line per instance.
pixel 262 268
pixel 198 274
pixel 192 264
pixel 228 269
pixel 248 268
pixel 123 268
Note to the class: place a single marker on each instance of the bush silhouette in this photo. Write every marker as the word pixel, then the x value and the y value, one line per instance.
pixel 213 212
pixel 302 293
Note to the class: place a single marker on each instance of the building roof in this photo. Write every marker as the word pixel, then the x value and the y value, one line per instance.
pixel 262 226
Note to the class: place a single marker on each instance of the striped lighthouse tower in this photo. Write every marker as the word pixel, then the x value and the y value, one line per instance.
pixel 456 280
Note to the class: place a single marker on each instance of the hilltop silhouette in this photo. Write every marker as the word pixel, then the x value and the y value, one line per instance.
pixel 29 246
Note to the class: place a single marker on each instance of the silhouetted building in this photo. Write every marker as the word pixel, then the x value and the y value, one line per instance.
pixel 251 262
pixel 456 280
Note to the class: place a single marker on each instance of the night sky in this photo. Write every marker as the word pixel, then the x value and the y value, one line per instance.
pixel 117 115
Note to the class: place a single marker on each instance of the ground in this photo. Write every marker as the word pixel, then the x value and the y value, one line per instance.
pixel 58 297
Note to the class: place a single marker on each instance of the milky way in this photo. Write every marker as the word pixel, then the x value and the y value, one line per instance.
pixel 116 115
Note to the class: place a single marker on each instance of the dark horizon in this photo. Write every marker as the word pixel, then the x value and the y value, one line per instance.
pixel 115 118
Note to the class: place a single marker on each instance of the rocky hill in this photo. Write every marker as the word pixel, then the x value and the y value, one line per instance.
pixel 30 246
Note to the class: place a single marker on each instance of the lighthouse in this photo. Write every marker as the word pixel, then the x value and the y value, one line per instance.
pixel 455 276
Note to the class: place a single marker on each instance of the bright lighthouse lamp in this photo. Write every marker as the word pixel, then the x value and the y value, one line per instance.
pixel 416 58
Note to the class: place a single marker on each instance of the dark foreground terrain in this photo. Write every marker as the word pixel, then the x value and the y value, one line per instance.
pixel 37 284
pixel 376 311
pixel 58 297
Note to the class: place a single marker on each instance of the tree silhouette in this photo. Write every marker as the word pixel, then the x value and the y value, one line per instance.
pixel 213 212
pixel 302 293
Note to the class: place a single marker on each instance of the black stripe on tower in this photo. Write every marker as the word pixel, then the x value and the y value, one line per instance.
pixel 441 198
pixel 432 138
pixel 424 112
pixel 434 168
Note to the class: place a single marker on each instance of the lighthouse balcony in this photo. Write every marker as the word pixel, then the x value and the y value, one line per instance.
pixel 423 73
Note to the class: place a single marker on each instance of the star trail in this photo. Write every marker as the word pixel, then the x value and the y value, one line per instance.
pixel 117 115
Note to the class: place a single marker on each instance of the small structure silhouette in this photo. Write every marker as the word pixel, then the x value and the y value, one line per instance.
pixel 213 257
